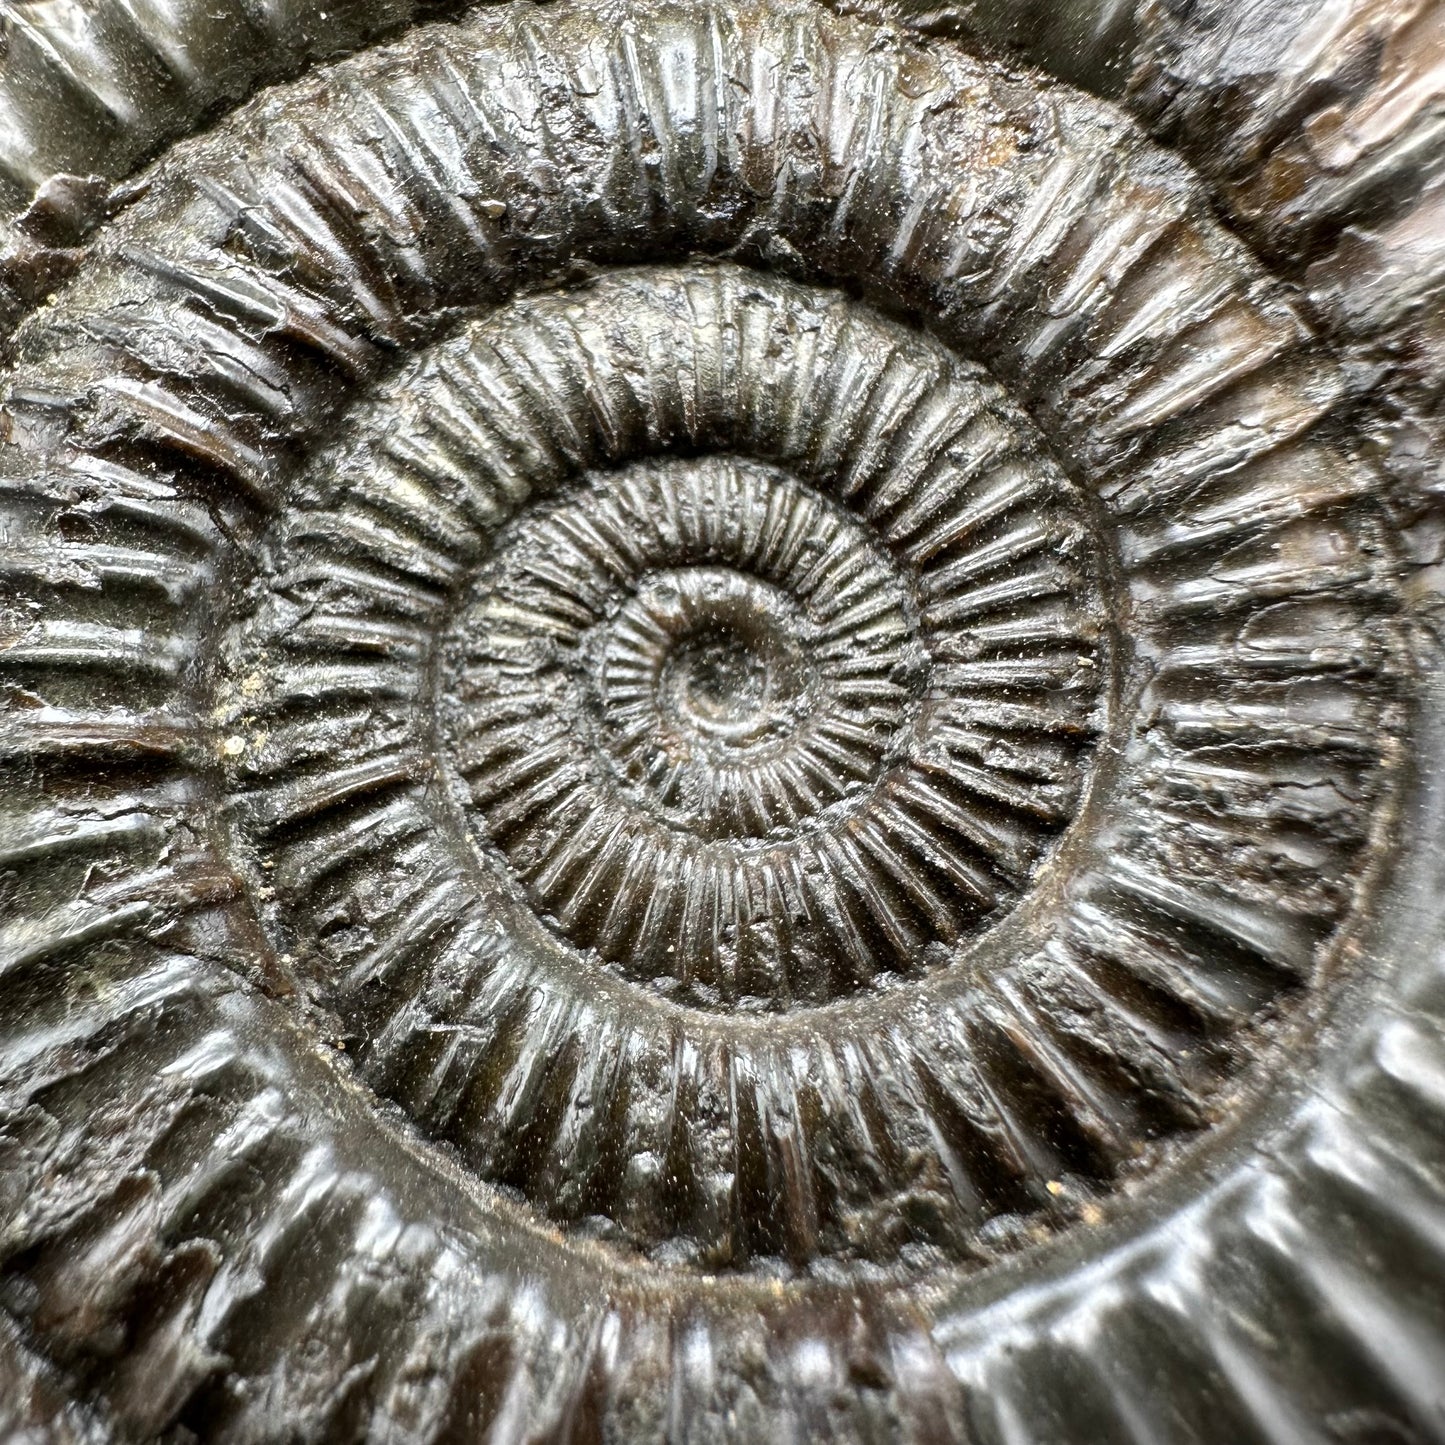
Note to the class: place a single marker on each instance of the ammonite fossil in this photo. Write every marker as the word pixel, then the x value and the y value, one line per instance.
pixel 720 722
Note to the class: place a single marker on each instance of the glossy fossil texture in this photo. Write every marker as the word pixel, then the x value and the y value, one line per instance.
pixel 712 731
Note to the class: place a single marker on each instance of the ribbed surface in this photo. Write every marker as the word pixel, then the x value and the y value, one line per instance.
pixel 938 672
pixel 89 91
pixel 1322 125
pixel 305 447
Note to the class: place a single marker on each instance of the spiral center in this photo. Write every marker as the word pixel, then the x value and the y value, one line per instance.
pixel 721 685
pixel 730 670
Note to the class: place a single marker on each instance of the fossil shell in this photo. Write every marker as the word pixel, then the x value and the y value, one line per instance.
pixel 712 729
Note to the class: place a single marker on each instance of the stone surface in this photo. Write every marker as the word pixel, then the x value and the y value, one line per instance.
pixel 716 724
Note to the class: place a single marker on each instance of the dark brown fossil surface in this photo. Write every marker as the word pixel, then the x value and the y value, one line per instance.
pixel 722 721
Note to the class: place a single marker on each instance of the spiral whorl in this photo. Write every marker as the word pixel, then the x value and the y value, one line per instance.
pixel 683 654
